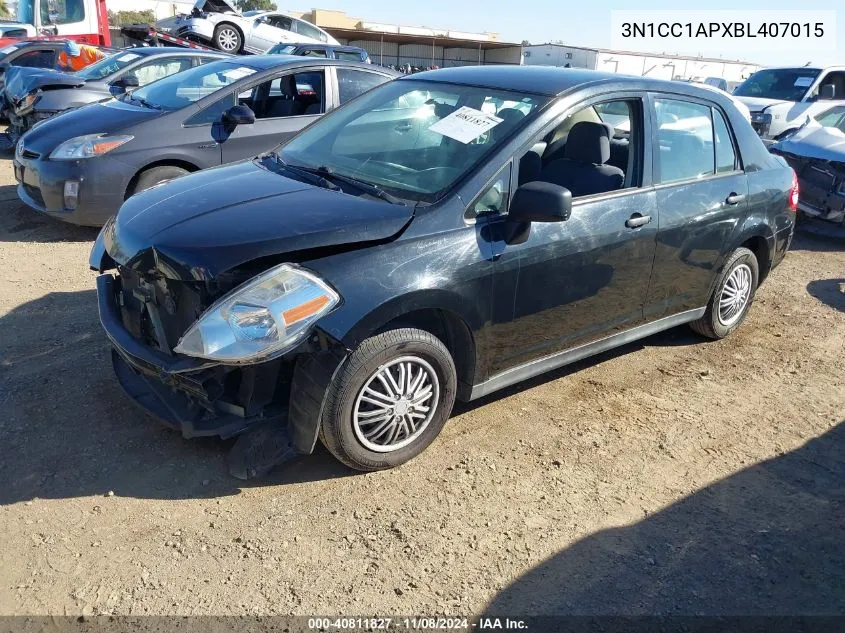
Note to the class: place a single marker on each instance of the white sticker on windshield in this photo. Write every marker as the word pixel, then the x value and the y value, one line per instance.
pixel 465 124
pixel 238 73
pixel 128 57
pixel 803 82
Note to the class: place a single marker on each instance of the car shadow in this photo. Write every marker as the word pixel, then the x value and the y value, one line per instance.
pixel 830 292
pixel 68 430
pixel 767 540
pixel 19 223
pixel 817 236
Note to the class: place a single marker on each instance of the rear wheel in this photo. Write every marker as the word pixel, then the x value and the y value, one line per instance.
pixel 390 400
pixel 733 296
pixel 156 176
pixel 227 38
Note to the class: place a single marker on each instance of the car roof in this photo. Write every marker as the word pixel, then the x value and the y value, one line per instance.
pixel 550 80
pixel 151 51
pixel 265 62
pixel 816 68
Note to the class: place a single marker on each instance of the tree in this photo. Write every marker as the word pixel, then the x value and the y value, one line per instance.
pixel 122 18
pixel 4 10
pixel 256 5
pixel 526 43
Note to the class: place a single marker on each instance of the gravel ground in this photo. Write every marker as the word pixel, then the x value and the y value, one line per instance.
pixel 672 476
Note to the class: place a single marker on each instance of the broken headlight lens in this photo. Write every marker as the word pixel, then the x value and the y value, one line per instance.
pixel 89 146
pixel 261 319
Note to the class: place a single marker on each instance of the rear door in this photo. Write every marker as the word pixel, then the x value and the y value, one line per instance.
pixel 701 195
pixel 283 104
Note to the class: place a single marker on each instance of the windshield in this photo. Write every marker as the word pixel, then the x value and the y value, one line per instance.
pixel 108 66
pixel 414 139
pixel 783 84
pixel 282 49
pixel 835 118
pixel 183 89
pixel 26 13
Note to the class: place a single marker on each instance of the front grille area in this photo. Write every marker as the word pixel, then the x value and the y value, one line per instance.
pixel 178 304
pixel 28 153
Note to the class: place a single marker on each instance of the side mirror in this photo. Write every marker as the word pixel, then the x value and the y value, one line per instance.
pixel 827 92
pixel 540 202
pixel 239 115
pixel 127 82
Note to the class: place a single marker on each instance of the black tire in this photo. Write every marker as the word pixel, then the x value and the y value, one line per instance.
pixel 155 176
pixel 337 427
pixel 711 325
pixel 227 38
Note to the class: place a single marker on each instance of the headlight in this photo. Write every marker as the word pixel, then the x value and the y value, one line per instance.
pixel 261 319
pixel 27 102
pixel 89 146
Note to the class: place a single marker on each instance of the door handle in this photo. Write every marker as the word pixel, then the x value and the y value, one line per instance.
pixel 403 127
pixel 637 220
pixel 734 198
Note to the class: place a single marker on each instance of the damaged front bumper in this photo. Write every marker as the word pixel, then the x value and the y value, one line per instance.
pixel 204 398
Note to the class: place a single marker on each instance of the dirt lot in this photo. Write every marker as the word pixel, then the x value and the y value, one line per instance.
pixel 674 476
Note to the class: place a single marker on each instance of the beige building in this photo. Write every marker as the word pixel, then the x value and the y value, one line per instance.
pixel 393 44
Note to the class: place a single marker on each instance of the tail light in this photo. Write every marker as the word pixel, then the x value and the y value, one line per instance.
pixel 793 193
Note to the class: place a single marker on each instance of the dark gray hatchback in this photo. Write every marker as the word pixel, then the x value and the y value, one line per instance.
pixel 81 165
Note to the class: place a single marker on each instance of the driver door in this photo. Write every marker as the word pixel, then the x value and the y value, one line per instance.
pixel 268 30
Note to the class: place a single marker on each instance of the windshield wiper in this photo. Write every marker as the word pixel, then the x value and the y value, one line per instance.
pixel 363 185
pixel 312 176
pixel 144 102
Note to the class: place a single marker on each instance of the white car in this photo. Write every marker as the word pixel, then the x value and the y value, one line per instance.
pixel 220 24
pixel 781 99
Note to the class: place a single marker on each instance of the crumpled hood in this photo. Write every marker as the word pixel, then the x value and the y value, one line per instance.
pixel 815 141
pixel 20 81
pixel 206 223
pixel 756 104
pixel 216 6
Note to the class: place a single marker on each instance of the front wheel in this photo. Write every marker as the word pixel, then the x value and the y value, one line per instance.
pixel 227 38
pixel 733 296
pixel 156 176
pixel 390 399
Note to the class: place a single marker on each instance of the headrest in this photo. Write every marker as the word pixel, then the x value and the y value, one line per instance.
pixel 588 142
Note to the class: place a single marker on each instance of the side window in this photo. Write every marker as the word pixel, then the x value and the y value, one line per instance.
pixel 289 95
pixel 213 112
pixel 835 79
pixel 349 56
pixel 62 11
pixel 309 30
pixel 36 59
pixel 685 140
pixel 351 83
pixel 314 52
pixel 494 198
pixel 592 150
pixel 280 22
pixel 725 154
pixel 152 71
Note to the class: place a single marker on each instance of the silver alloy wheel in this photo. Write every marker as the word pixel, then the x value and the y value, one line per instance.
pixel 227 39
pixel 396 404
pixel 734 296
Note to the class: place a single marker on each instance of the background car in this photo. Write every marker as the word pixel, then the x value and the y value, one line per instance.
pixel 352 284
pixel 35 95
pixel 328 51
pixel 816 151
pixel 81 165
pixel 222 25
pixel 32 54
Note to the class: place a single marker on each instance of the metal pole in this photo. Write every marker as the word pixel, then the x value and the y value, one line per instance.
pixel 381 52
pixel 479 54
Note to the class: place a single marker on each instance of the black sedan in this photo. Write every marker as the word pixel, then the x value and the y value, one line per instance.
pixel 352 284
pixel 81 166
pixel 33 95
